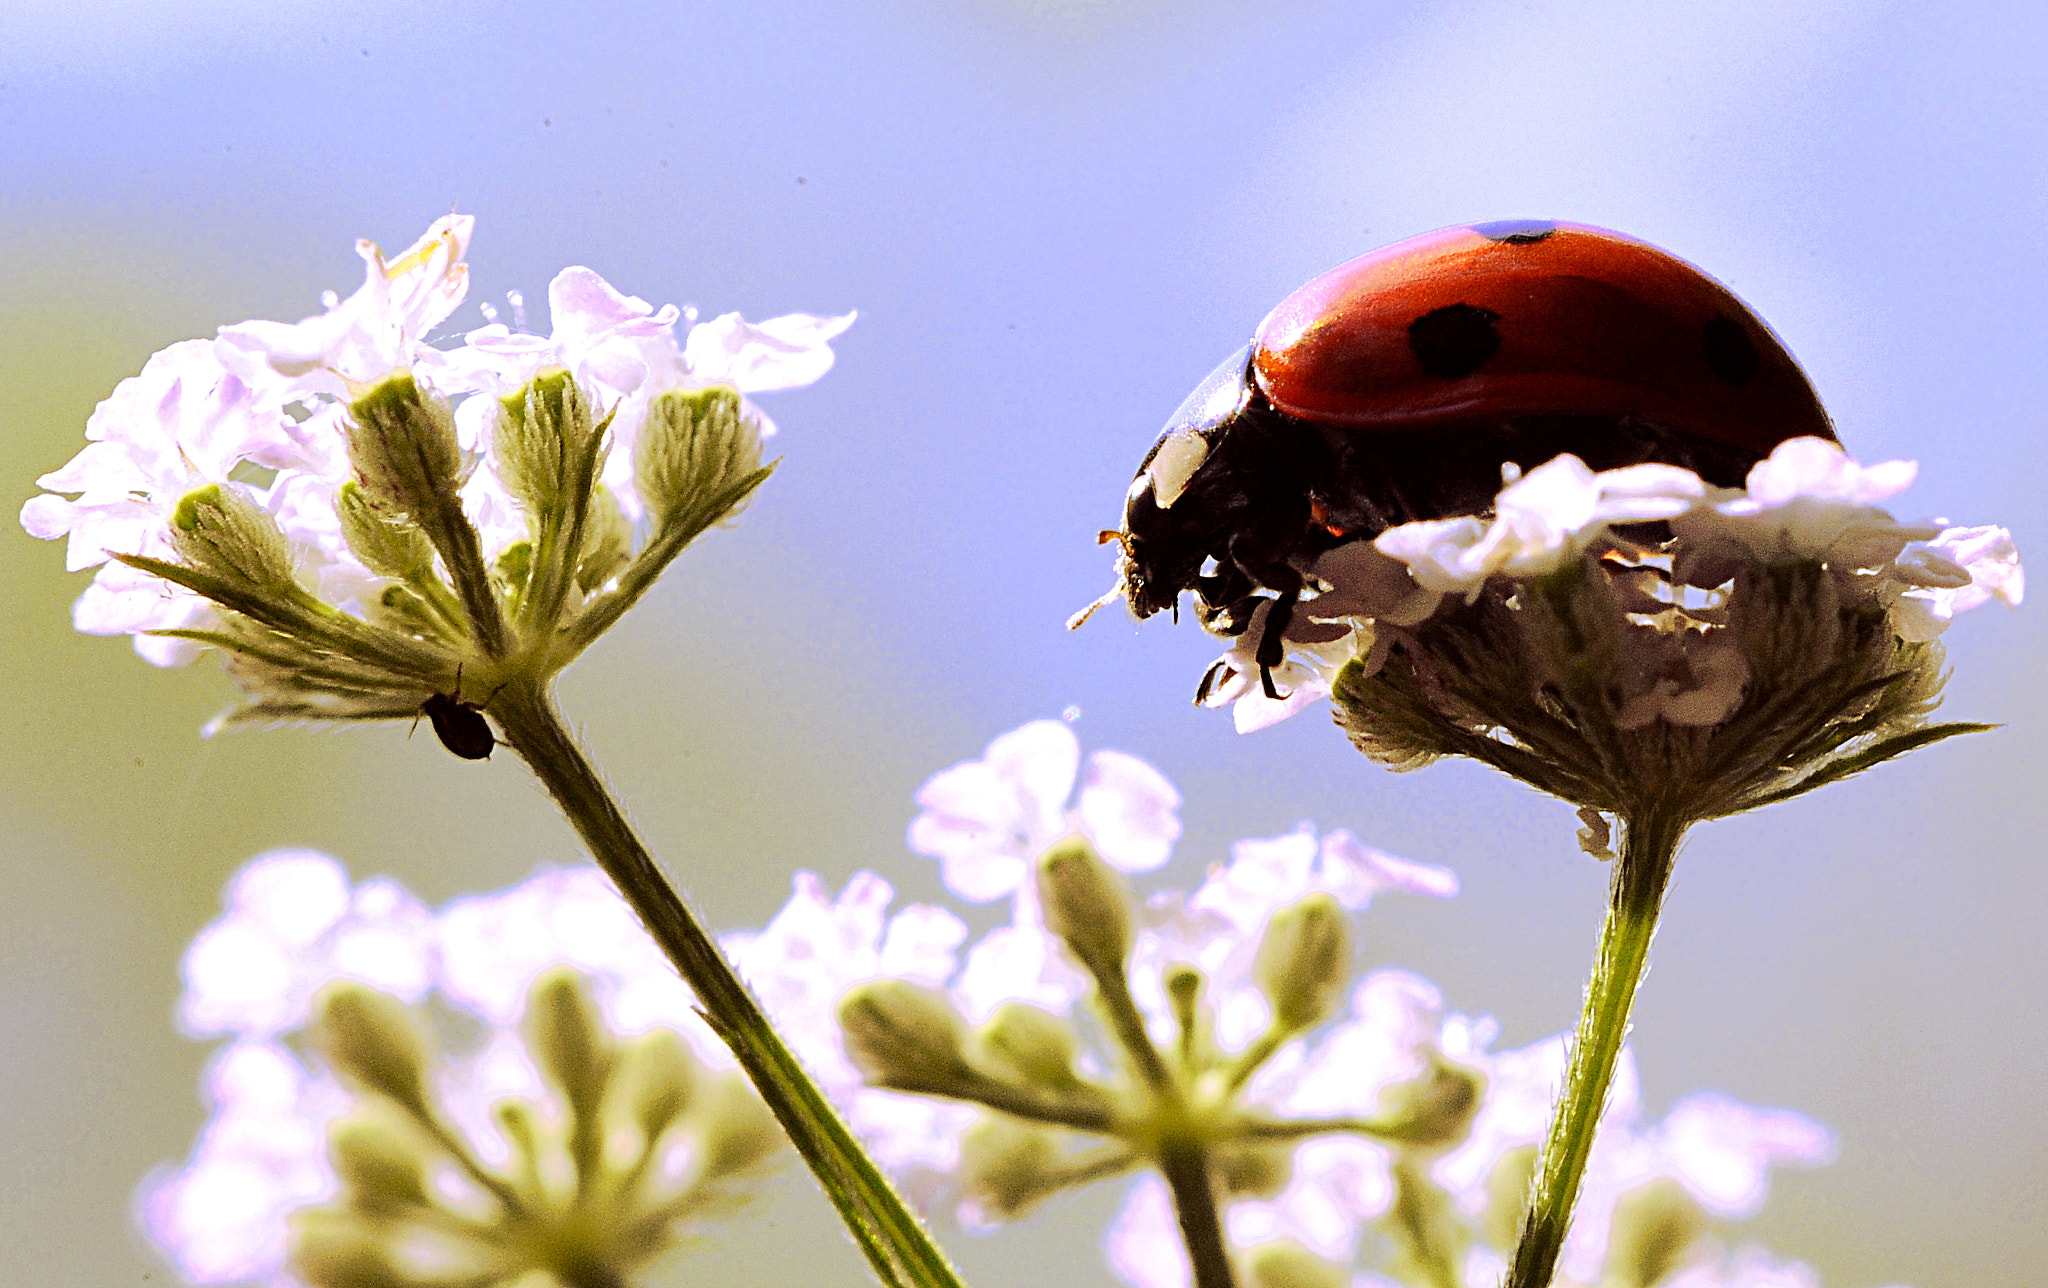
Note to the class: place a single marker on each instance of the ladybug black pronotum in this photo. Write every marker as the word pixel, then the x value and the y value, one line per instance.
pixel 1395 387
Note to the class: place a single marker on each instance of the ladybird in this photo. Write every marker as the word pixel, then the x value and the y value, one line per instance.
pixel 460 725
pixel 1397 386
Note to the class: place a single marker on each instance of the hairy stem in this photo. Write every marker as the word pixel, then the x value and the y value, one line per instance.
pixel 896 1244
pixel 1636 894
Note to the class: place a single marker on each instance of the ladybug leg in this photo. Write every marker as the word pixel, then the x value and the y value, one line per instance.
pixel 1272 640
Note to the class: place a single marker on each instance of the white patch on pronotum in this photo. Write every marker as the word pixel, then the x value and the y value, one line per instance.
pixel 1179 456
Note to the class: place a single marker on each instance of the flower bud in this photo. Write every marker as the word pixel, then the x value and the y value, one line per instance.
pixel 219 529
pixel 371 1039
pixel 906 1038
pixel 333 1248
pixel 542 441
pixel 1286 1264
pixel 514 566
pixel 568 1040
pixel 656 1079
pixel 1654 1226
pixel 607 541
pixel 405 610
pixel 1507 1197
pixel 1184 994
pixel 1086 905
pixel 735 1129
pixel 1253 1170
pixel 696 448
pixel 402 445
pixel 380 1163
pixel 1304 961
pixel 1031 1044
pixel 389 545
pixel 1007 1167
pixel 541 1170
pixel 1433 1110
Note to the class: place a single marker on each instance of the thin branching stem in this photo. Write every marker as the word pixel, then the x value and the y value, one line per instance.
pixel 897 1246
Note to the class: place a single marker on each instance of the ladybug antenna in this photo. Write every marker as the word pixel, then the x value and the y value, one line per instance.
pixel 1114 593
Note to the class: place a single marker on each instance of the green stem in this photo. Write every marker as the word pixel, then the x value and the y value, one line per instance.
pixel 1635 895
pixel 1186 1166
pixel 897 1245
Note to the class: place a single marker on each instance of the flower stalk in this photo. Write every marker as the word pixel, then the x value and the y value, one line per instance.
pixel 1185 1164
pixel 1642 872
pixel 896 1244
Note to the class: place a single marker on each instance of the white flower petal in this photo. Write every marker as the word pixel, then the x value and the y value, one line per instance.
pixel 1129 810
pixel 780 353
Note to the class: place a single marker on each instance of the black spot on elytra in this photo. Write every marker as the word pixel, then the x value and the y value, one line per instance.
pixel 1516 232
pixel 1455 340
pixel 1730 354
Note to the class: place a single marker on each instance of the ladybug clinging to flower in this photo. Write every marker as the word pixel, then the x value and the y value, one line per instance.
pixel 1399 385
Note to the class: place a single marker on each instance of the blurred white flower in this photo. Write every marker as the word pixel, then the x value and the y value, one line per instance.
pixel 221 1218
pixel 1718 1149
pixel 807 957
pixel 985 820
pixel 293 925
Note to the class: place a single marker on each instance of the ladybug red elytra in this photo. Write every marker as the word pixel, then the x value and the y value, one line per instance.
pixel 1396 386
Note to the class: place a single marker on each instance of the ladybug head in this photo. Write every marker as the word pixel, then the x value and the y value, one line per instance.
pixel 1221 504
pixel 1174 511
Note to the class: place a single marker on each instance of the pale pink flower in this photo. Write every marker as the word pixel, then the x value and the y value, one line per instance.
pixel 1807 501
pixel 986 820
pixel 380 328
pixel 624 352
pixel 268 401
pixel 185 422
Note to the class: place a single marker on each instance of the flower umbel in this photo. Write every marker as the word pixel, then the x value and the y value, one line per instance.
pixel 1636 636
pixel 362 521
pixel 1352 1131
pixel 639 1140
pixel 590 1128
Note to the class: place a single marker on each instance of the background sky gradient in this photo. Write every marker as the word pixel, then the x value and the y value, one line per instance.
pixel 1054 217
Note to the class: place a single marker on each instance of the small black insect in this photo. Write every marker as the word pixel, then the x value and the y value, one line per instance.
pixel 460 724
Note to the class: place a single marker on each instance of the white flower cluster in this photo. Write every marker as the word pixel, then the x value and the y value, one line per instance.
pixel 292 925
pixel 1807 502
pixel 261 408
pixel 818 947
